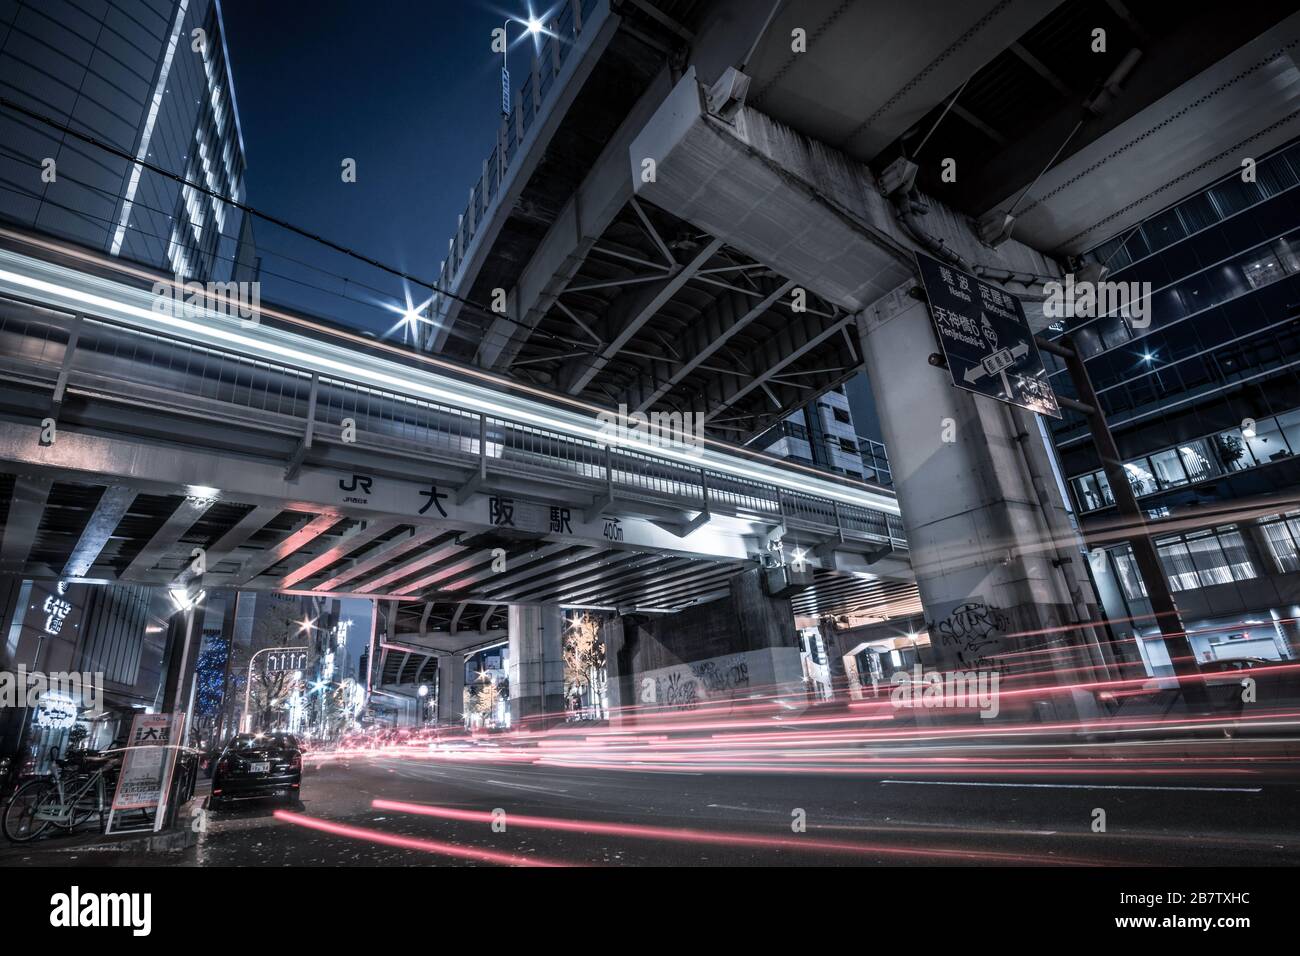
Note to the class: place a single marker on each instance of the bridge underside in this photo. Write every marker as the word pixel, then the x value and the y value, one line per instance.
pixel 176 464
pixel 660 315
pixel 122 533
pixel 441 577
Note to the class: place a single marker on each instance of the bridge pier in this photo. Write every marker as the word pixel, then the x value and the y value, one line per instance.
pixel 536 665
pixel 451 690
pixel 987 544
pixel 739 648
pixel 997 564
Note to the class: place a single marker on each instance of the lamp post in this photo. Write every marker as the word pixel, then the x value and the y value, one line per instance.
pixel 532 27
pixel 424 693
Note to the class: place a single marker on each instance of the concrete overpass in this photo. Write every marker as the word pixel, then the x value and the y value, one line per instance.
pixel 748 153
pixel 192 450
pixel 624 292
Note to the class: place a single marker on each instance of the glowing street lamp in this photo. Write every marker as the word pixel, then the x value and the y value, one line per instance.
pixel 533 26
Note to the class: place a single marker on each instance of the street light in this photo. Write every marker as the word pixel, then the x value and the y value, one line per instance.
pixel 533 26
pixel 423 692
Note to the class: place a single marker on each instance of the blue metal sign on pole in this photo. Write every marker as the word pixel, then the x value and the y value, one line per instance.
pixel 986 338
pixel 505 91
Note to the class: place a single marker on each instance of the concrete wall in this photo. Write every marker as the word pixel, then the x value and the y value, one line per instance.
pixel 742 645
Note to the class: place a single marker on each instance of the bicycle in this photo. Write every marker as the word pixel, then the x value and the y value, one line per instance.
pixel 55 801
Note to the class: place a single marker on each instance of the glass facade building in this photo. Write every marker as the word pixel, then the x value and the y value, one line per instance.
pixel 1203 396
pixel 150 80
pixel 823 434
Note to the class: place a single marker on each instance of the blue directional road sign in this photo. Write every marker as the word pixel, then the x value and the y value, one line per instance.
pixel 986 339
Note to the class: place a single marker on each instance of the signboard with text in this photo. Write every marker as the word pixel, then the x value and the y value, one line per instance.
pixel 985 338
pixel 146 764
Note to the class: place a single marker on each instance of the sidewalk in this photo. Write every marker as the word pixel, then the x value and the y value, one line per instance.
pixel 89 847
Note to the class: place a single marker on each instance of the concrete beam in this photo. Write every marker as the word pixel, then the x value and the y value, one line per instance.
pixel 228 543
pixel 413 566
pixel 345 545
pixel 579 226
pixel 165 538
pixel 291 543
pixel 109 511
pixel 805 333
pixel 26 507
pixel 805 209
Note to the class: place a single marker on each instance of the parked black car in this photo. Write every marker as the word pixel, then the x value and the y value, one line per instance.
pixel 258 765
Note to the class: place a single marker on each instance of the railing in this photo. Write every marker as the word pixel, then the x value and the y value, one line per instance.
pixel 127 365
pixel 557 45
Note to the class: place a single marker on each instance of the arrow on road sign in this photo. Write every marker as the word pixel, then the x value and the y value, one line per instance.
pixel 996 363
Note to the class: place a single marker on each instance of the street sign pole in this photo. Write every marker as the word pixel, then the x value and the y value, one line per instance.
pixel 1163 608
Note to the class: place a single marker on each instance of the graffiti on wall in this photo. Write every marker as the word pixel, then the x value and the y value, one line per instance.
pixel 970 631
pixel 686 685
pixel 720 676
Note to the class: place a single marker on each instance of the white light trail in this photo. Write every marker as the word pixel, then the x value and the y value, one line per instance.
pixel 59 287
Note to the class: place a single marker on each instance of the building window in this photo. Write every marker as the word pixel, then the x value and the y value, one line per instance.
pixel 1271 439
pixel 1282 532
pixel 1140 477
pixel 1168 468
pixel 1268 443
pixel 1177 562
pixel 1198 460
pixel 1203 558
pixel 1290 425
pixel 1232 450
pixel 1127 571
pixel 1093 491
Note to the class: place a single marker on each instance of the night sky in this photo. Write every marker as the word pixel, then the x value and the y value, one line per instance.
pixel 410 89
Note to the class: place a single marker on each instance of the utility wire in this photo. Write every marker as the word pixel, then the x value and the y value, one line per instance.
pixel 484 311
pixel 243 207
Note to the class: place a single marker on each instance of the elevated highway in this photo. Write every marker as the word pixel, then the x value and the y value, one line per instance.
pixel 179 434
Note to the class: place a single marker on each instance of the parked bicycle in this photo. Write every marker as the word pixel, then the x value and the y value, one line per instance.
pixel 80 787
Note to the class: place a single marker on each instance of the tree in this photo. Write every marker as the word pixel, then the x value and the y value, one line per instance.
pixel 278 624
pixel 269 694
pixel 210 673
pixel 584 660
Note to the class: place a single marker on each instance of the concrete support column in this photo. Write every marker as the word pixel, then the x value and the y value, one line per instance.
pixel 451 690
pixel 839 663
pixel 184 635
pixel 536 665
pixel 986 554
pixel 735 649
pixel 619 690
pixel 228 618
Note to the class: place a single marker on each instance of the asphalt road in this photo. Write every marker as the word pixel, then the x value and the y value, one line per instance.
pixel 591 816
